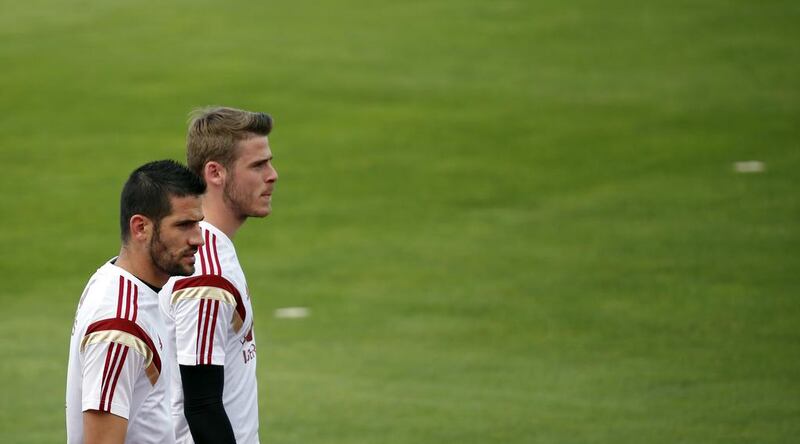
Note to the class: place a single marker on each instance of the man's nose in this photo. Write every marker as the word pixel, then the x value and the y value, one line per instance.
pixel 272 175
pixel 197 238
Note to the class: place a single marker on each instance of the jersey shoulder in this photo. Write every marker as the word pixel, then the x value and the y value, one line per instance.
pixel 213 288
pixel 217 256
pixel 111 293
pixel 116 312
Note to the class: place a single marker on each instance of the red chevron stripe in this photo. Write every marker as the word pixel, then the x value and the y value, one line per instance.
pixel 107 381
pixel 202 259
pixel 116 377
pixel 135 302
pixel 213 281
pixel 105 372
pixel 207 249
pixel 129 327
pixel 206 322
pixel 216 255
pixel 128 299
pixel 119 297
pixel 213 329
pixel 199 324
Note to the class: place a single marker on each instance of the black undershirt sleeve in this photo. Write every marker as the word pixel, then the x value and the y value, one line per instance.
pixel 202 404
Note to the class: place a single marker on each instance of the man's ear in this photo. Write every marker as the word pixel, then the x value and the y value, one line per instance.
pixel 141 227
pixel 214 173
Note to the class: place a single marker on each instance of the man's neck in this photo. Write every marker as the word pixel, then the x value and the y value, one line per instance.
pixel 218 214
pixel 141 267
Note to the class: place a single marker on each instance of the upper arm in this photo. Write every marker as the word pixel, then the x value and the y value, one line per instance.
pixel 109 376
pixel 103 428
pixel 115 354
pixel 206 311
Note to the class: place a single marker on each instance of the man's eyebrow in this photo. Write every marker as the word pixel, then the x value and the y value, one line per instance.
pixel 188 220
pixel 263 160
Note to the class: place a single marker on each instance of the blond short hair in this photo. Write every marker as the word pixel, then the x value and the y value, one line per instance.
pixel 215 133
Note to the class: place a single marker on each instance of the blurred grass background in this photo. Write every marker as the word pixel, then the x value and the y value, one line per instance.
pixel 513 221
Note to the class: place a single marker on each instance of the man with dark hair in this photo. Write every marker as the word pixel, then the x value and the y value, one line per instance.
pixel 210 313
pixel 118 387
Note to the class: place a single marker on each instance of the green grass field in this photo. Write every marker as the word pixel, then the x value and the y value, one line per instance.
pixel 513 221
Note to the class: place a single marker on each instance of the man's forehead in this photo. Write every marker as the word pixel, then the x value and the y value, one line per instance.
pixel 257 146
pixel 186 205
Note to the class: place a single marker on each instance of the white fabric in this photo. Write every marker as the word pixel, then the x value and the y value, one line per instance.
pixel 107 374
pixel 203 319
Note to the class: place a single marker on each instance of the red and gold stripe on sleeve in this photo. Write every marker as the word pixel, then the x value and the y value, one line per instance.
pixel 211 288
pixel 124 335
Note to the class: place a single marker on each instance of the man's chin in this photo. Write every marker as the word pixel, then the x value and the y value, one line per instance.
pixel 261 212
pixel 174 268
pixel 187 270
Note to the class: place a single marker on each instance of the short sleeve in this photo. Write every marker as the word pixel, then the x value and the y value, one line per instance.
pixel 206 313
pixel 110 371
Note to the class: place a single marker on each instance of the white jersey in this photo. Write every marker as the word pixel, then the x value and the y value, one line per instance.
pixel 116 358
pixel 210 320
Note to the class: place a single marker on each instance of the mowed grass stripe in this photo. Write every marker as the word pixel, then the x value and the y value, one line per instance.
pixel 512 221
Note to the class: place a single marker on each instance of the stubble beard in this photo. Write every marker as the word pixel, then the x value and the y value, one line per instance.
pixel 162 259
pixel 237 201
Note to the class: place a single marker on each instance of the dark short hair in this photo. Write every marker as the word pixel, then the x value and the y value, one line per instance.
pixel 149 188
pixel 215 132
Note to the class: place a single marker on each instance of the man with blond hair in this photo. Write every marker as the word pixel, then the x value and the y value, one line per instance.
pixel 210 316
